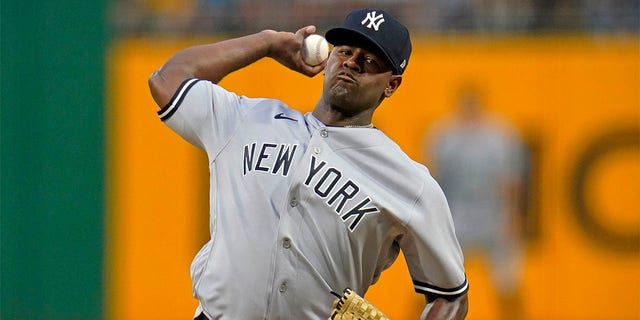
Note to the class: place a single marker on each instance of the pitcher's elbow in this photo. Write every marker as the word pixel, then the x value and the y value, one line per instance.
pixel 155 87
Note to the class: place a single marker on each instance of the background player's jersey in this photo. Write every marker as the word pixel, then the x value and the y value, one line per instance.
pixel 476 164
pixel 299 209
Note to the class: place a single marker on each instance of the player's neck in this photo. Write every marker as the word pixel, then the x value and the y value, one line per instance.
pixel 337 118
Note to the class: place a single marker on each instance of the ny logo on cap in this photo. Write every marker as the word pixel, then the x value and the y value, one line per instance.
pixel 374 21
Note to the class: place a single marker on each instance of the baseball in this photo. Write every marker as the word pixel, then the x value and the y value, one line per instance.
pixel 315 49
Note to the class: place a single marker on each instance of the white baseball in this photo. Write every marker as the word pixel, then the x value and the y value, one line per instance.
pixel 315 49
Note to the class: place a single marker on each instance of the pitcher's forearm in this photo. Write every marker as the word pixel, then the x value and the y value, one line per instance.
pixel 442 309
pixel 210 62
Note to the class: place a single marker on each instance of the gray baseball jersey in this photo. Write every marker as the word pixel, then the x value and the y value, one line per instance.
pixel 300 209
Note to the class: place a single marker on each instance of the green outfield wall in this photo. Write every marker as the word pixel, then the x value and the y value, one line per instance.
pixel 52 159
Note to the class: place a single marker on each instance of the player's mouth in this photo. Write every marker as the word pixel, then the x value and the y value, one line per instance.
pixel 346 77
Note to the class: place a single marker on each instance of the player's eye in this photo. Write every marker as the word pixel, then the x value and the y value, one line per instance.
pixel 345 52
pixel 372 64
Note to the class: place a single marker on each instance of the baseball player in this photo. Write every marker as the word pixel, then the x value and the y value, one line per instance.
pixel 477 159
pixel 303 205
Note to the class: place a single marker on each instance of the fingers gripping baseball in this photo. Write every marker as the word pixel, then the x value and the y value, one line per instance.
pixel 288 51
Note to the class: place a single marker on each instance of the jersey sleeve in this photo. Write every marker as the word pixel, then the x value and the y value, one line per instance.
pixel 204 114
pixel 430 247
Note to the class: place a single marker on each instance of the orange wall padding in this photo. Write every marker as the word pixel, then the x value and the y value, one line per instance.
pixel 561 93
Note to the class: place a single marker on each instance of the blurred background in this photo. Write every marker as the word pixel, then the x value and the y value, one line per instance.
pixel 102 207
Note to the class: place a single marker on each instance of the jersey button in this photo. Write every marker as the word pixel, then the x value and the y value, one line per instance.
pixel 293 202
pixel 317 150
pixel 286 243
pixel 324 133
pixel 283 287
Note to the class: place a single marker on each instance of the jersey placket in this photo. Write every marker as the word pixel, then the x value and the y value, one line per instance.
pixel 284 285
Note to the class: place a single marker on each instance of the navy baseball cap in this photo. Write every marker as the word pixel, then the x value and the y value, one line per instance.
pixel 378 28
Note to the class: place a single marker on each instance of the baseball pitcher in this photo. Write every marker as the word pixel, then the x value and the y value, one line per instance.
pixel 304 207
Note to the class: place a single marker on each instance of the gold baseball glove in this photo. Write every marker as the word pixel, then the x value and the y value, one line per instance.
pixel 351 306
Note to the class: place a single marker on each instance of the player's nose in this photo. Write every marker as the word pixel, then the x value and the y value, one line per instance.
pixel 352 63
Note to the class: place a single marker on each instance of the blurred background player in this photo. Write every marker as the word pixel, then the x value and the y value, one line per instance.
pixel 478 160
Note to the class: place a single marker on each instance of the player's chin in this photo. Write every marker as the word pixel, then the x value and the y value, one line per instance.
pixel 339 95
pixel 337 90
pixel 342 90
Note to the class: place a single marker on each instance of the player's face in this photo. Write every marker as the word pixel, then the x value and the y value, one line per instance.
pixel 357 79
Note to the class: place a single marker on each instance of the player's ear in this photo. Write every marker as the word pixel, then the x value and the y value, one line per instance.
pixel 393 85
